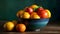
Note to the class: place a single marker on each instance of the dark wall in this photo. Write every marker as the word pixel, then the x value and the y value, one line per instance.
pixel 8 8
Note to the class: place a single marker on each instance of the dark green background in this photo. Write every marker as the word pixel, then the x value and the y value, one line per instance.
pixel 8 8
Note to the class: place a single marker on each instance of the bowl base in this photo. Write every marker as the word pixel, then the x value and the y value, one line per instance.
pixel 37 30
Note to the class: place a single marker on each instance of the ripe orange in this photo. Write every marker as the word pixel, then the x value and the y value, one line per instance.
pixel 34 15
pixel 49 13
pixel 20 27
pixel 9 26
pixel 26 15
pixel 20 13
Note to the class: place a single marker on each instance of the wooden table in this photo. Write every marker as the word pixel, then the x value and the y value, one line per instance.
pixel 49 29
pixel 26 33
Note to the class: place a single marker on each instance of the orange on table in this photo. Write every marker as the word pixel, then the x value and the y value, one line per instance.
pixel 20 27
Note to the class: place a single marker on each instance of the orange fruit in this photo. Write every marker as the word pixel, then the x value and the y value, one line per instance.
pixel 20 13
pixel 9 26
pixel 48 12
pixel 34 15
pixel 20 27
pixel 26 15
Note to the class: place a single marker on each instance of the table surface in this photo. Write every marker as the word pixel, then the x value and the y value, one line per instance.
pixel 47 30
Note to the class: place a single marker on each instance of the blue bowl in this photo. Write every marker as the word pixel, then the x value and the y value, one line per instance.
pixel 33 24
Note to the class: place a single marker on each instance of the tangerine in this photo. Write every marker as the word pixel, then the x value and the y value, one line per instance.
pixel 21 27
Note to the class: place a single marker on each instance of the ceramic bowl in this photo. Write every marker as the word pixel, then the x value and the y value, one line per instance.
pixel 33 24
